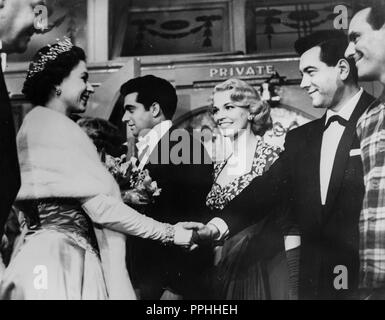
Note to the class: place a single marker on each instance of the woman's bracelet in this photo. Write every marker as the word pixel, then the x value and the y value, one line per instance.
pixel 169 235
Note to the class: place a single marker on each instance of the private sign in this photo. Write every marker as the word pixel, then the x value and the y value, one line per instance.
pixel 250 70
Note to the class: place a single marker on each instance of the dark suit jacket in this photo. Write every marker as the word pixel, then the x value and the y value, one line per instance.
pixel 329 234
pixel 183 196
pixel 9 164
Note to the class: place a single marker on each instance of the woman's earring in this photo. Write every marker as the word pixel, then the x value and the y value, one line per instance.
pixel 250 117
pixel 58 92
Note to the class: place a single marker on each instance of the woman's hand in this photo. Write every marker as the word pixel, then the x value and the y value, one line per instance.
pixel 199 234
pixel 184 234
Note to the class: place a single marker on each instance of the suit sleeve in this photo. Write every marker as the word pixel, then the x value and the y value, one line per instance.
pixel 267 194
pixel 184 187
pixel 9 163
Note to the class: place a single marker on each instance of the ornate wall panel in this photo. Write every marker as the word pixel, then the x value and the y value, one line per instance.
pixel 66 18
pixel 274 26
pixel 191 28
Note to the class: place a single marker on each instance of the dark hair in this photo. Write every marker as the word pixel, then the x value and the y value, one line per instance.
pixel 376 15
pixel 332 43
pixel 40 86
pixel 105 136
pixel 152 89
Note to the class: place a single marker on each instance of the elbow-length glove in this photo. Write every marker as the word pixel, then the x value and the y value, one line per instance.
pixel 114 214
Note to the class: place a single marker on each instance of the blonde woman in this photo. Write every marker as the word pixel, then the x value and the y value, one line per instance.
pixel 251 260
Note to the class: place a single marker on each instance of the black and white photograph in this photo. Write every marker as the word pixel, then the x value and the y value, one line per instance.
pixel 201 151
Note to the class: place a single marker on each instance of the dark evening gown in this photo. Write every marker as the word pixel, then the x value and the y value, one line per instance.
pixel 252 263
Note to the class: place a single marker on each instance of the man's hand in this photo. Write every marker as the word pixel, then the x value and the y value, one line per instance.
pixel 202 234
pixel 207 233
pixel 191 226
pixel 184 234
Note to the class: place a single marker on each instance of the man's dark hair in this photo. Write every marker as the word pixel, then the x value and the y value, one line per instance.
pixel 376 15
pixel 152 89
pixel 332 43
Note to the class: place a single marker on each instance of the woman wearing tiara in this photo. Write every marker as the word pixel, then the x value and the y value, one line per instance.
pixel 64 187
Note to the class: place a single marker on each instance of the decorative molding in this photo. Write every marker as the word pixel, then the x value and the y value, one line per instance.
pixel 274 26
pixel 145 28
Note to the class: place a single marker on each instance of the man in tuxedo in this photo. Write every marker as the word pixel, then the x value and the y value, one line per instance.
pixel 182 169
pixel 16 28
pixel 366 47
pixel 320 172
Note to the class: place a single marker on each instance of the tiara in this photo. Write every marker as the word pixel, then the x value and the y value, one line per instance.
pixel 59 47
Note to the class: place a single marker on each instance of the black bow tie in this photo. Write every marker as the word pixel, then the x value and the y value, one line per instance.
pixel 337 118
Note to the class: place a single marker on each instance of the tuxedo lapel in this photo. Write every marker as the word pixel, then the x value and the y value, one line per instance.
pixel 311 167
pixel 9 164
pixel 343 150
pixel 160 154
pixel 153 158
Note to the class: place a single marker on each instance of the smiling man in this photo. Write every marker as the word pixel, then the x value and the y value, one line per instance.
pixel 366 46
pixel 331 82
pixel 319 175
pixel 366 43
pixel 166 272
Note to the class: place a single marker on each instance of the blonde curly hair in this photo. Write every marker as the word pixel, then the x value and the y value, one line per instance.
pixel 246 95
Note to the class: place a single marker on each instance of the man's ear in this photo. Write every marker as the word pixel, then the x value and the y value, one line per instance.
pixel 344 68
pixel 155 109
pixel 2 2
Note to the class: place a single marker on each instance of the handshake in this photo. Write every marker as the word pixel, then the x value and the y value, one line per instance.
pixel 190 235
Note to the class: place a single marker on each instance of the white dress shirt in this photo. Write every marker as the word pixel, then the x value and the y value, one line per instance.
pixel 330 141
pixel 150 140
pixel 3 57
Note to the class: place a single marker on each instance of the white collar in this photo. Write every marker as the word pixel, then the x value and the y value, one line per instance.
pixel 152 137
pixel 3 56
pixel 347 109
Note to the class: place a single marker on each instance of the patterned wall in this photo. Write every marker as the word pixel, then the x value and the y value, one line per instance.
pixel 66 18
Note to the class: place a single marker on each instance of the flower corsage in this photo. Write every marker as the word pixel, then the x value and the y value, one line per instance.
pixel 136 185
